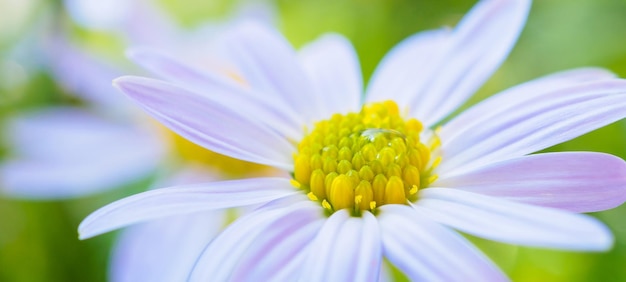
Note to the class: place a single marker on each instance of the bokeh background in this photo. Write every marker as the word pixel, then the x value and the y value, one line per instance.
pixel 38 238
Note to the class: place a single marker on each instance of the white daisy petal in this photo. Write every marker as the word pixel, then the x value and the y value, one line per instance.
pixel 333 66
pixel 230 246
pixel 291 270
pixel 369 250
pixel 385 274
pixel 536 124
pixel 469 62
pixel 209 123
pixel 275 113
pixel 269 63
pixel 182 200
pixel 346 248
pixel 165 249
pixel 52 147
pixel 322 247
pixel 427 251
pixel 506 100
pixel 574 181
pixel 84 75
pixel 512 222
pixel 406 68
pixel 219 260
pixel 457 66
pixel 271 253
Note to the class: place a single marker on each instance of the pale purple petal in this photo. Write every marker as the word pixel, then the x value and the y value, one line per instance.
pixel 574 181
pixel 230 246
pixel 273 252
pixel 346 248
pixel 368 250
pixel 322 247
pixel 66 152
pixel 514 223
pixel 274 113
pixel 149 24
pixel 333 66
pixel 206 121
pixel 506 100
pixel 183 200
pixel 269 64
pixel 84 75
pixel 165 249
pixel 457 66
pixel 385 273
pixel 427 251
pixel 292 270
pixel 532 125
pixel 406 68
pixel 220 259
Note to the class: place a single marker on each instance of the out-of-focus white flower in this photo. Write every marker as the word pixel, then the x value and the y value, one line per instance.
pixel 57 151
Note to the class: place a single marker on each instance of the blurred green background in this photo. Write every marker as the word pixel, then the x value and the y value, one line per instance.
pixel 38 239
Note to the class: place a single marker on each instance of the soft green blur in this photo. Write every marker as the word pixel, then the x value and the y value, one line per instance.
pixel 38 240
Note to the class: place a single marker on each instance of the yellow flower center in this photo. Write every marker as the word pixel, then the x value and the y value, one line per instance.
pixel 360 161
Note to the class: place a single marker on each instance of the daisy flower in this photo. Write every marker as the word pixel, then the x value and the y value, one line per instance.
pixel 380 175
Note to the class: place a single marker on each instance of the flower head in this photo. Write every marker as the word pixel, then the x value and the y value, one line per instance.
pixel 382 177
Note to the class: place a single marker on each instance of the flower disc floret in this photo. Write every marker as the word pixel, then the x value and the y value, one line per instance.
pixel 360 161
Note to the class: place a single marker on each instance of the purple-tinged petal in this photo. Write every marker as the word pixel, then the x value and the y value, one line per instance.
pixel 406 68
pixel 183 200
pixel 272 253
pixel 369 250
pixel 269 64
pixel 66 152
pixel 457 66
pixel 333 66
pixel 322 247
pixel 219 260
pixel 532 125
pixel 574 181
pixel 427 251
pixel 346 248
pixel 274 113
pixel 207 121
pixel 84 75
pixel 514 223
pixel 149 24
pixel 506 100
pixel 292 270
pixel 385 273
pixel 165 249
